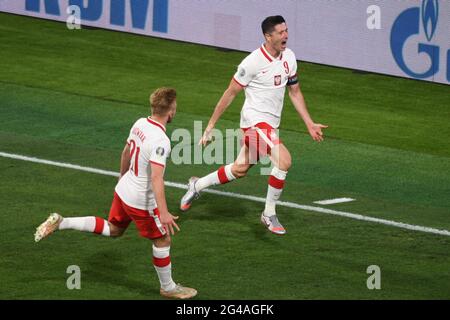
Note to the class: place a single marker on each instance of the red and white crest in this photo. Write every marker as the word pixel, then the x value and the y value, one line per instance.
pixel 277 80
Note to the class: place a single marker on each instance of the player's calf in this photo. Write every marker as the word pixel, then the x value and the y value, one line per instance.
pixel 274 190
pixel 163 267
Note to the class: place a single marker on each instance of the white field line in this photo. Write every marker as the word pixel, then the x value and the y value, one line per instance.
pixel 334 201
pixel 242 196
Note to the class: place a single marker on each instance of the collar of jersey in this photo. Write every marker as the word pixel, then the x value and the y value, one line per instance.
pixel 268 55
pixel 156 123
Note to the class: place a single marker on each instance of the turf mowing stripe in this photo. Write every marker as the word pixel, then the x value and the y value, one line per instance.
pixel 241 196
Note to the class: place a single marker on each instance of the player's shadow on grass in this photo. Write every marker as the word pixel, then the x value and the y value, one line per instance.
pixel 210 208
pixel 109 267
pixel 213 209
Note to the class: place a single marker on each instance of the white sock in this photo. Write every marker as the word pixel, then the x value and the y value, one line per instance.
pixel 86 224
pixel 163 267
pixel 221 176
pixel 275 187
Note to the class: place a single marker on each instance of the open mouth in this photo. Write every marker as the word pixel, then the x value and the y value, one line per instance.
pixel 283 43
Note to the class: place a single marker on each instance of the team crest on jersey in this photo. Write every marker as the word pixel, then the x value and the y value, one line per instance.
pixel 242 72
pixel 277 80
pixel 160 151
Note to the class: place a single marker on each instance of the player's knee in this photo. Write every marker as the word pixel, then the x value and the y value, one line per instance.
pixel 114 231
pixel 240 174
pixel 162 242
pixel 239 171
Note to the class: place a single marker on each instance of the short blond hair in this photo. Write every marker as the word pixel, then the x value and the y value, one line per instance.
pixel 161 100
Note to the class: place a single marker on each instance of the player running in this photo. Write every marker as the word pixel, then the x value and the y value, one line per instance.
pixel 139 194
pixel 264 75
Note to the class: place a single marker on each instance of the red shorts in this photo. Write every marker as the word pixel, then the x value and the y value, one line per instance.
pixel 260 139
pixel 147 222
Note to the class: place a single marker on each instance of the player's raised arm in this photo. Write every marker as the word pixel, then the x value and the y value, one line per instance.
pixel 228 96
pixel 296 96
pixel 125 160
pixel 166 218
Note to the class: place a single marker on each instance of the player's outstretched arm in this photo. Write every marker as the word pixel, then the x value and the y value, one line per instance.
pixel 228 96
pixel 166 218
pixel 314 129
pixel 125 160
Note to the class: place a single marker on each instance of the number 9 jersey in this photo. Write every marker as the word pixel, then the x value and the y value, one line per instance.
pixel 149 144
pixel 264 79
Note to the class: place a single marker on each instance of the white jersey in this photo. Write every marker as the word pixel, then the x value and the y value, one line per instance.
pixel 148 144
pixel 264 79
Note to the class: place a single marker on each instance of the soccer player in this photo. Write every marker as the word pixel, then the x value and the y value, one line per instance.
pixel 139 194
pixel 263 75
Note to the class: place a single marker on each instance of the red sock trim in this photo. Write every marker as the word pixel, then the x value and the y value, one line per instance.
pixel 99 224
pixel 161 262
pixel 276 183
pixel 222 175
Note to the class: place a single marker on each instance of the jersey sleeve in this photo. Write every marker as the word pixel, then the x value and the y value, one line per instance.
pixel 160 152
pixel 246 72
pixel 293 78
pixel 130 135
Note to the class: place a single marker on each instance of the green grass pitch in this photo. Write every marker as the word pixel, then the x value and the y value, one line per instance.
pixel 71 96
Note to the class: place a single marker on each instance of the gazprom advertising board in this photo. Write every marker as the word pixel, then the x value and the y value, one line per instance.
pixel 408 38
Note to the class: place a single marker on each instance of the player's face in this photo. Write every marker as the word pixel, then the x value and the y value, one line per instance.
pixel 278 38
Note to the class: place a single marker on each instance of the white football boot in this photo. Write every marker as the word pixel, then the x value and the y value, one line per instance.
pixel 179 292
pixel 273 224
pixel 190 195
pixel 48 227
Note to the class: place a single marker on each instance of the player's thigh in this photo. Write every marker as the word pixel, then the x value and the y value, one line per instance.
pixel 281 157
pixel 242 163
pixel 118 217
pixel 147 222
